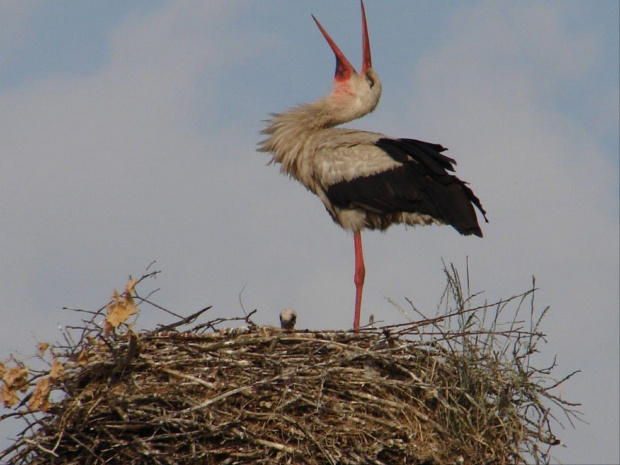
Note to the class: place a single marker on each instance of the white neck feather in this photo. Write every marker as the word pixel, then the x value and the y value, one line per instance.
pixel 288 132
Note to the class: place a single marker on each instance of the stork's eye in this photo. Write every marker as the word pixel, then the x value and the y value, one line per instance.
pixel 371 81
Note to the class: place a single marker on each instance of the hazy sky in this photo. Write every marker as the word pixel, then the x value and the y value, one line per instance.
pixel 128 134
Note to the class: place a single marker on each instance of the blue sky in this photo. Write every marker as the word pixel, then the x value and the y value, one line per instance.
pixel 129 132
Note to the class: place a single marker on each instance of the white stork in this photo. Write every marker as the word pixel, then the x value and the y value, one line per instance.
pixel 366 180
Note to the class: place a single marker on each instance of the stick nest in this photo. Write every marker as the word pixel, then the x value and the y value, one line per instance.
pixel 444 390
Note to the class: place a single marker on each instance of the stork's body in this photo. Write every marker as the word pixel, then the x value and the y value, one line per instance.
pixel 367 180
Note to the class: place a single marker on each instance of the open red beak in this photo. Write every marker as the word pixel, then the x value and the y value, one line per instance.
pixel 344 69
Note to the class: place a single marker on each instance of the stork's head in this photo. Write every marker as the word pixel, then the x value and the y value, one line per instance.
pixel 288 318
pixel 357 93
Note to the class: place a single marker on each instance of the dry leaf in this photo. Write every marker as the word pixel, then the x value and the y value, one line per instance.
pixel 42 347
pixel 107 327
pixel 83 357
pixel 121 307
pixel 57 370
pixel 15 379
pixel 6 397
pixel 40 396
pixel 129 287
pixel 118 313
pixel 130 305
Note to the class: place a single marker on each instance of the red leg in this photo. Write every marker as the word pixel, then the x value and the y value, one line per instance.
pixel 360 273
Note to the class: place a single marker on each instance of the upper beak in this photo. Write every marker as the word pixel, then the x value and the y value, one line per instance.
pixel 365 42
pixel 344 69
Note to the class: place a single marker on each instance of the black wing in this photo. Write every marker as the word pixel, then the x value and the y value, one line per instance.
pixel 421 184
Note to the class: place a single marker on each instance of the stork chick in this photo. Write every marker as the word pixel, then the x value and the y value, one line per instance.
pixel 288 318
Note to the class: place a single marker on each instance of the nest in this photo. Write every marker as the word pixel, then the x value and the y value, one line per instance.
pixel 442 390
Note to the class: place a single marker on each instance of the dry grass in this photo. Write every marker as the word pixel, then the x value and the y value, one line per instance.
pixel 455 388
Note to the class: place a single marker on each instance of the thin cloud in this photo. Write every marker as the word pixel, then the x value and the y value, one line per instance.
pixel 153 156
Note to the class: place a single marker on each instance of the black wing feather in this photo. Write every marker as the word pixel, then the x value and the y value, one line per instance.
pixel 419 152
pixel 421 184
